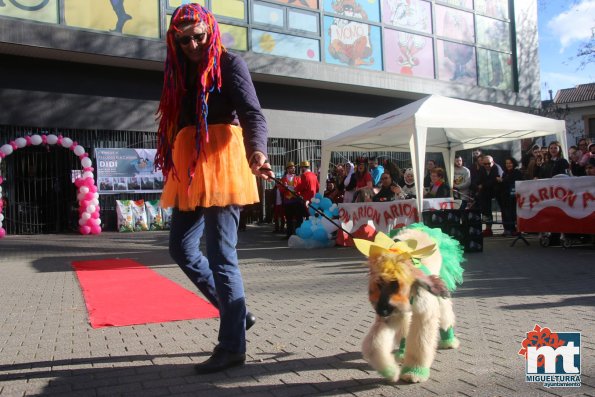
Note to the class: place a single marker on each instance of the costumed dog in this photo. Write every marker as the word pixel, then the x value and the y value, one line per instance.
pixel 410 280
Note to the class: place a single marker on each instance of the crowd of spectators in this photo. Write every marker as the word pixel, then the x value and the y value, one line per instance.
pixel 485 181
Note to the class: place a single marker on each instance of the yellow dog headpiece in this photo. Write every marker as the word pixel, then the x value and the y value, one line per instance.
pixel 403 250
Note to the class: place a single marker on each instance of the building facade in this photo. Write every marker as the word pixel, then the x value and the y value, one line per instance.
pixel 92 70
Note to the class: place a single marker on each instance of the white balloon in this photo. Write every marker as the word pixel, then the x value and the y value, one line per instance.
pixel 82 221
pixel 1 217
pixel 36 139
pixel 84 189
pixel 86 162
pixel 20 142
pixel 97 221
pixel 90 209
pixel 88 174
pixel 0 189
pixel 52 139
pixel 94 202
pixel 80 196
pixel 85 216
pixel 6 149
pixel 96 196
pixel 66 142
pixel 79 150
pixel 329 226
pixel 0 224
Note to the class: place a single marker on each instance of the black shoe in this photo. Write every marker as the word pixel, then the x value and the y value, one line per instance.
pixel 220 360
pixel 250 320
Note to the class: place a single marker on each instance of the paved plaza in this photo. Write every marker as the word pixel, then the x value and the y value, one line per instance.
pixel 312 314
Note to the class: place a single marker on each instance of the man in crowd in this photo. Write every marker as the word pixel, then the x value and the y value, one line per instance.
pixel 489 177
pixel 461 181
pixel 376 170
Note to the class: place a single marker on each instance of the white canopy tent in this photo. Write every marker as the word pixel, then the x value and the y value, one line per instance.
pixel 439 124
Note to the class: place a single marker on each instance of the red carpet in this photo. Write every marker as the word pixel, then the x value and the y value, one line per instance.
pixel 122 292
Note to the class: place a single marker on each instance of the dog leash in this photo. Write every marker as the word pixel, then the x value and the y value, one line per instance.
pixel 317 210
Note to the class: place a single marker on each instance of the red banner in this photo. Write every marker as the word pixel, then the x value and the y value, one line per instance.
pixel 557 205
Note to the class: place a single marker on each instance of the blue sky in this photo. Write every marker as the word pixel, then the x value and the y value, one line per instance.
pixel 563 25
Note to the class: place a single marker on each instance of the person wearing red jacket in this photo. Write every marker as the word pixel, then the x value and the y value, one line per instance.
pixel 308 185
pixel 292 205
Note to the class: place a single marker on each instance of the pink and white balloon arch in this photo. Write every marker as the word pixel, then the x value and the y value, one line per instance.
pixel 88 198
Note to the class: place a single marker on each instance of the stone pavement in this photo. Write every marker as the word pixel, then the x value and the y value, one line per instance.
pixel 312 316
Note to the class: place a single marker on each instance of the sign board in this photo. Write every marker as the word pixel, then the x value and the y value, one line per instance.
pixel 127 170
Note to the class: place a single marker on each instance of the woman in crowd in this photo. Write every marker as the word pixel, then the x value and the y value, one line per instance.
pixel 556 164
pixel 438 186
pixel 534 167
pixel 344 183
pixel 389 190
pixel 361 179
pixel 408 184
pixel 507 190
pixel 332 192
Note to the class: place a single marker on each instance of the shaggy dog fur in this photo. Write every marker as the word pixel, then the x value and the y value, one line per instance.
pixel 414 307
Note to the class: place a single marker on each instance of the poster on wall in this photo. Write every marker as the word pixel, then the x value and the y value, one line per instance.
pixel 130 17
pixel 367 10
pixel 413 14
pixel 454 24
pixel 408 54
pixel 495 69
pixel 303 3
pixel 352 43
pixel 284 45
pixel 127 170
pixel 32 10
pixel 456 62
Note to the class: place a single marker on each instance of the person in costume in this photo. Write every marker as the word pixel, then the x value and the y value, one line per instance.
pixel 291 203
pixel 307 187
pixel 211 141
pixel 408 184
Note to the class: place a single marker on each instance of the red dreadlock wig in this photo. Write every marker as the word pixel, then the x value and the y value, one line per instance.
pixel 174 83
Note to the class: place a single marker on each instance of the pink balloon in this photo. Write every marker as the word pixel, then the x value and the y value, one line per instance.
pixel 95 215
pixel 89 182
pixel 93 189
pixel 2 232
pixel 85 229
pixel 90 222
pixel 89 196
pixel 78 182
pixel 95 229
pixel 84 205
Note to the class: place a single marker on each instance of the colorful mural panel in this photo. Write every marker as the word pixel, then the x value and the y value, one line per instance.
pixel 459 3
pixel 303 3
pixel 408 54
pixel 367 10
pixel 408 14
pixel 454 24
pixel 229 8
pixel 493 33
pixel 133 17
pixel 284 45
pixel 456 62
pixel 268 14
pixel 352 43
pixel 493 8
pixel 33 10
pixel 302 20
pixel 234 37
pixel 495 69
pixel 177 3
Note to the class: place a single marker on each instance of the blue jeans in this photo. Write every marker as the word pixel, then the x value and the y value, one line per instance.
pixel 217 275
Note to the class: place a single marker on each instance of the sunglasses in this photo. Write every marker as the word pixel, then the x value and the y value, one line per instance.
pixel 185 40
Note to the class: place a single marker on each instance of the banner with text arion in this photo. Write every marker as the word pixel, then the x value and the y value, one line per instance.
pixel 557 205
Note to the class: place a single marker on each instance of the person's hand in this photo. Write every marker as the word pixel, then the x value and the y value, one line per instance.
pixel 259 165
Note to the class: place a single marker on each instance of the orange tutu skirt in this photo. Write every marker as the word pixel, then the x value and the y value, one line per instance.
pixel 222 176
